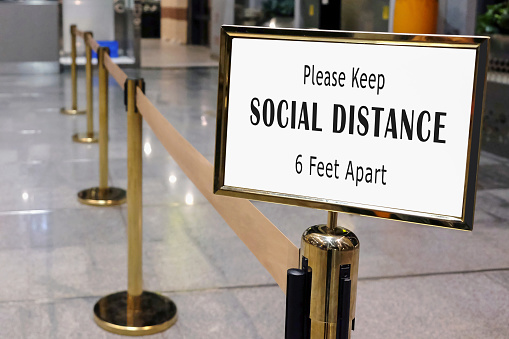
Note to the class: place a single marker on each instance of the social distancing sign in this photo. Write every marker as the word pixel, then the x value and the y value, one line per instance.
pixel 361 124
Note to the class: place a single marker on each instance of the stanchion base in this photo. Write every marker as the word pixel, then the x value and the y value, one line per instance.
pixel 154 313
pixel 85 138
pixel 71 111
pixel 96 196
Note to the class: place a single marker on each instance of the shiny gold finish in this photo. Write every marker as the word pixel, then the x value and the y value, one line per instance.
pixel 134 203
pixel 85 138
pixel 72 111
pixel 74 83
pixel 332 221
pixel 134 312
pixel 103 195
pixel 103 117
pixel 478 43
pixel 89 136
pixel 90 92
pixel 154 313
pixel 74 76
pixel 109 196
pixel 327 247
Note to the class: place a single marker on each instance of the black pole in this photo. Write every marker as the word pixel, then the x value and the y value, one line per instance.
pixel 296 284
pixel 298 295
pixel 345 288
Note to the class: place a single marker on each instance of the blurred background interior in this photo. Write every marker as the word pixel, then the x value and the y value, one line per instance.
pixel 58 257
pixel 174 33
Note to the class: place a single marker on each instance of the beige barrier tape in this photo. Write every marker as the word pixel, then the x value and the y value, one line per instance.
pixel 115 71
pixel 271 247
pixel 80 33
pixel 92 43
pixel 112 67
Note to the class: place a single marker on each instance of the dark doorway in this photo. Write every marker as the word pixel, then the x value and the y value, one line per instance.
pixel 330 14
pixel 198 24
pixel 151 19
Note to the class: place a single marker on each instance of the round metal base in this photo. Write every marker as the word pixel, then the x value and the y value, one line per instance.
pixel 147 314
pixel 86 138
pixel 96 196
pixel 71 111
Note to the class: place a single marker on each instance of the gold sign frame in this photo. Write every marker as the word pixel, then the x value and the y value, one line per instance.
pixel 480 44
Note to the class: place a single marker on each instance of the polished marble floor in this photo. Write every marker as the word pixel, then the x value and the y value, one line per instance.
pixel 158 53
pixel 58 257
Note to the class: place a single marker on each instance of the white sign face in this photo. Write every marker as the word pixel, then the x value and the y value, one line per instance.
pixel 373 126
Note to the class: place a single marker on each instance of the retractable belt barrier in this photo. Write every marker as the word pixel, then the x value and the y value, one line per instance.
pixel 92 43
pixel 79 33
pixel 124 312
pixel 251 226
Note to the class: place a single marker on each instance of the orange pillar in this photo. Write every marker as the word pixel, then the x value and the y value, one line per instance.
pixel 415 16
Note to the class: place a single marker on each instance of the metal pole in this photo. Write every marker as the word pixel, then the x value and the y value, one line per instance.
pixel 74 80
pixel 135 311
pixel 89 136
pixel 90 94
pixel 134 195
pixel 74 83
pixel 332 221
pixel 103 195
pixel 103 117
pixel 332 253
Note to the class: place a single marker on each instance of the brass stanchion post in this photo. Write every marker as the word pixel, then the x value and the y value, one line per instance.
pixel 74 81
pixel 103 195
pixel 89 136
pixel 134 198
pixel 321 295
pixel 333 255
pixel 134 312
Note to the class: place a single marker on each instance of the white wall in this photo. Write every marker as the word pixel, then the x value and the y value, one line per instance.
pixel 89 15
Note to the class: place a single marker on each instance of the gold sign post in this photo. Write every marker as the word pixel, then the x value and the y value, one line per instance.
pixel 321 295
pixel 134 312
pixel 333 254
pixel 74 82
pixel 103 195
pixel 89 136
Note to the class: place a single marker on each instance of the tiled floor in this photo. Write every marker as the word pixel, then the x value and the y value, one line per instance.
pixel 58 257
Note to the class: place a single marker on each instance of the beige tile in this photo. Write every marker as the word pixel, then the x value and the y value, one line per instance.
pixel 174 31
pixel 159 53
pixel 174 3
